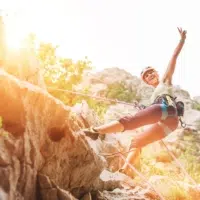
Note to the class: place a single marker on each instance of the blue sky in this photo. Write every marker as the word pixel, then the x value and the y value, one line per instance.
pixel 129 34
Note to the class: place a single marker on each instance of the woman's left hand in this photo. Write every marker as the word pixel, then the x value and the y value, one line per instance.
pixel 182 33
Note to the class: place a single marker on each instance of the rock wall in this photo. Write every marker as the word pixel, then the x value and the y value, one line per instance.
pixel 32 121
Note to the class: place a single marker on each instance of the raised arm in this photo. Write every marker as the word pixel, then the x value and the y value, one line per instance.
pixel 167 78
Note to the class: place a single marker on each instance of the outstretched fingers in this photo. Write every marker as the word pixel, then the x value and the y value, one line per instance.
pixel 179 29
pixel 182 32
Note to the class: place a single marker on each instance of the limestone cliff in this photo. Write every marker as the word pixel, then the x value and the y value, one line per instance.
pixel 31 120
pixel 45 156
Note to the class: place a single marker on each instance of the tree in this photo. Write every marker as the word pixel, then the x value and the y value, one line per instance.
pixel 120 92
pixel 61 73
pixel 47 54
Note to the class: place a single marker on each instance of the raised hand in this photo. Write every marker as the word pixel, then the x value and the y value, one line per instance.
pixel 182 33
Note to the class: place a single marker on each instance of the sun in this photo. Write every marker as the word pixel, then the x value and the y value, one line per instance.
pixel 14 37
pixel 14 33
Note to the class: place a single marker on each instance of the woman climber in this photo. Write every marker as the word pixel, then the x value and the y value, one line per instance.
pixel 161 115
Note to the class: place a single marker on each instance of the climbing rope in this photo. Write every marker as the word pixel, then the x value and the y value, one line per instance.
pixel 169 152
pixel 120 153
pixel 142 176
pixel 178 163
pixel 135 104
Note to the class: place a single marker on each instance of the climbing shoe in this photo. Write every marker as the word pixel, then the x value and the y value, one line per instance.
pixel 127 172
pixel 122 170
pixel 92 133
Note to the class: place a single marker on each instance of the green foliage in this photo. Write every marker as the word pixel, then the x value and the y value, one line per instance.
pixel 192 166
pixel 169 187
pixel 64 74
pixel 120 92
pixel 98 106
pixel 196 106
pixel 61 74
pixel 189 160
pixel 47 54
pixel 116 91
pixel 150 170
pixel 178 193
pixel 66 78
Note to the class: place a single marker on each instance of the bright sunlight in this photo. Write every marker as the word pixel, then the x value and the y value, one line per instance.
pixel 127 40
pixel 14 32
pixel 13 41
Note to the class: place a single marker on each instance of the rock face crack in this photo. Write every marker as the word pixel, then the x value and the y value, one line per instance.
pixel 37 116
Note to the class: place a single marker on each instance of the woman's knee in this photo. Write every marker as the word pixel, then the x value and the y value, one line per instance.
pixel 172 123
pixel 126 122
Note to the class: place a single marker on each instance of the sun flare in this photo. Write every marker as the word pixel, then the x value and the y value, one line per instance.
pixel 13 42
pixel 13 38
pixel 14 34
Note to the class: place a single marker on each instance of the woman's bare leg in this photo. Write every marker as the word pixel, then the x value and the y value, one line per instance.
pixel 111 127
pixel 151 134
pixel 147 116
pixel 133 159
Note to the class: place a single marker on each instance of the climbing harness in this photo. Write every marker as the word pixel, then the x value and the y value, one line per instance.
pixel 179 104
pixel 170 101
pixel 183 124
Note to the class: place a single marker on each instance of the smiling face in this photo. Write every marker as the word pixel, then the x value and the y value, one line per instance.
pixel 151 77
